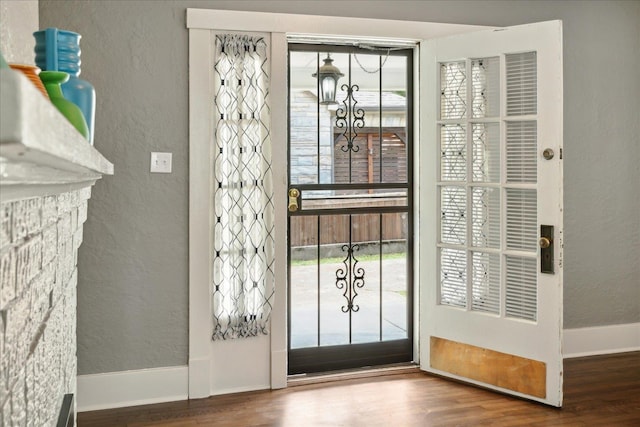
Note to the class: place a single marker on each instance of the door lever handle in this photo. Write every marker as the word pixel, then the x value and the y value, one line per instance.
pixel 293 199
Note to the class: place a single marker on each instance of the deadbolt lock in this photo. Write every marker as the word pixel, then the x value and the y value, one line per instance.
pixel 548 153
pixel 546 249
pixel 293 199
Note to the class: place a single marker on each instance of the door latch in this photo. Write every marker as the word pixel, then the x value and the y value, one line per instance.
pixel 546 249
pixel 293 199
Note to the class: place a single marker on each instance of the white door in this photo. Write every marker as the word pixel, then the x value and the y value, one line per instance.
pixel 491 156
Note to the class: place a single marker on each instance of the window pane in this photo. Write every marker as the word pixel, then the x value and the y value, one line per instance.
pixel 485 285
pixel 453 90
pixel 485 211
pixel 304 281
pixel 309 122
pixel 486 152
pixel 453 277
pixel 453 213
pixel 453 153
pixel 395 295
pixel 485 87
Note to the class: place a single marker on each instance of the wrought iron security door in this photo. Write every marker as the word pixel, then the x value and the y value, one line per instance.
pixel 350 207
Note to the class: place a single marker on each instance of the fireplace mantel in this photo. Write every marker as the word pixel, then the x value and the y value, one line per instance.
pixel 38 146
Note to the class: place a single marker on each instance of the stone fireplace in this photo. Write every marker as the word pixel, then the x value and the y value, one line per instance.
pixel 47 170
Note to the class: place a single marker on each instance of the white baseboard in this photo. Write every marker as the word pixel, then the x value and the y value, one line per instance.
pixel 601 340
pixel 132 388
pixel 278 369
pixel 232 390
pixel 199 374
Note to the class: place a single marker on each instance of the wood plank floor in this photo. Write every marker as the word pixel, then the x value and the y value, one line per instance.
pixel 598 391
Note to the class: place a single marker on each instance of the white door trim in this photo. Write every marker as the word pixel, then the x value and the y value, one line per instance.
pixel 200 244
pixel 317 25
pixel 200 23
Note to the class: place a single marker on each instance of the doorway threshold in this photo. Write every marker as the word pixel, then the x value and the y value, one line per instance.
pixel 350 374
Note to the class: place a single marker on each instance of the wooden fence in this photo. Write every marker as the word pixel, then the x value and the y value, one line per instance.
pixel 334 229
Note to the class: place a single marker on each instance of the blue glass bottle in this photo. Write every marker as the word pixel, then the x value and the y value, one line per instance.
pixel 59 50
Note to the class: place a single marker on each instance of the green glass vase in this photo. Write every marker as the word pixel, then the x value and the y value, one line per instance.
pixel 52 81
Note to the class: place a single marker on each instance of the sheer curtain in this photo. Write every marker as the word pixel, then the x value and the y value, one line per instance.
pixel 243 278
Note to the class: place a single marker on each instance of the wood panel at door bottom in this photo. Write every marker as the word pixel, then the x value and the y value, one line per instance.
pixel 491 367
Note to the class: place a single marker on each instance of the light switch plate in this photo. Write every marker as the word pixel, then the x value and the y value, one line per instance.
pixel 161 162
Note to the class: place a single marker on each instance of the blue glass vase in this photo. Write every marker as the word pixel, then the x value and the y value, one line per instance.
pixel 59 50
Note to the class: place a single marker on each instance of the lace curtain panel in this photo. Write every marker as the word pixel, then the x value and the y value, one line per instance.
pixel 243 257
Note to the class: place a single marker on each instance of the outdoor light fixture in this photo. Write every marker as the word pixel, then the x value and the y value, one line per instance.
pixel 328 76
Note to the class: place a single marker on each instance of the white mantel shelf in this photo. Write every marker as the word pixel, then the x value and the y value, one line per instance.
pixel 38 146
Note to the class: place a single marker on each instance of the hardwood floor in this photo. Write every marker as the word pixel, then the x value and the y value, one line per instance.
pixel 598 391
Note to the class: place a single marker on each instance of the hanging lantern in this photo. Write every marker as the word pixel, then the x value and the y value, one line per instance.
pixel 328 76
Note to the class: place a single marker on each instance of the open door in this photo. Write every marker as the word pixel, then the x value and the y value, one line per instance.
pixel 491 150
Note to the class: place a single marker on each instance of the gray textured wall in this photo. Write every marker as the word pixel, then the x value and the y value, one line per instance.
pixel 18 20
pixel 133 275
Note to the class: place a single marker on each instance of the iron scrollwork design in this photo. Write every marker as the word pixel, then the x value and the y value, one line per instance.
pixel 350 278
pixel 350 117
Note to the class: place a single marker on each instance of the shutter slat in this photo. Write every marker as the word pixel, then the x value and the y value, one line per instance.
pixel 522 148
pixel 521 297
pixel 521 78
pixel 522 214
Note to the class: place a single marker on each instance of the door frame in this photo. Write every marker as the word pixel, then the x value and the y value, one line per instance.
pixel 208 359
pixel 356 355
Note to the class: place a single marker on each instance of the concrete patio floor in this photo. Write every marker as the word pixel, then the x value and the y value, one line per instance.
pixel 382 313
